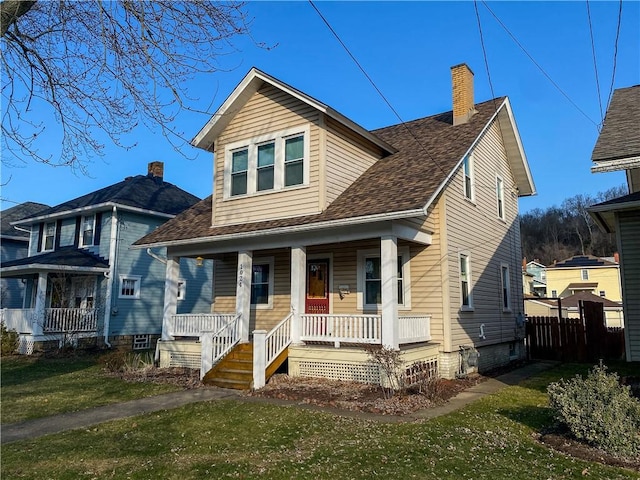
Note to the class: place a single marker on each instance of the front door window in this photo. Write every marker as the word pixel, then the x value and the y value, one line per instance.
pixel 317 298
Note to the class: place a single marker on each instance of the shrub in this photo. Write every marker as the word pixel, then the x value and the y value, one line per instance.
pixel 121 361
pixel 599 411
pixel 9 340
pixel 388 361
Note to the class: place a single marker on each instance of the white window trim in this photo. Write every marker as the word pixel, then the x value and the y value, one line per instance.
pixel 182 292
pixel 44 237
pixel 584 274
pixel 470 162
pixel 93 230
pixel 264 261
pixel 507 287
pixel 403 252
pixel 252 163
pixel 136 293
pixel 500 198
pixel 467 254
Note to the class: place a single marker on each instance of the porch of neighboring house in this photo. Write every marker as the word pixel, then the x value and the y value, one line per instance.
pixel 58 308
pixel 308 306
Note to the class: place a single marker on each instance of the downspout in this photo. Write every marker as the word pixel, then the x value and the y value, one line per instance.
pixel 111 275
pixel 156 256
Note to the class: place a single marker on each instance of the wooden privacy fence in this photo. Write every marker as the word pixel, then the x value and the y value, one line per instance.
pixel 585 339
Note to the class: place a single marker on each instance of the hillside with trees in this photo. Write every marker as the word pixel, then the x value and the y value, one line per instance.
pixel 556 233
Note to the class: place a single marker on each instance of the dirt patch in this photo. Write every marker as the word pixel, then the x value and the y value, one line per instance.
pixel 355 396
pixel 563 443
pixel 186 378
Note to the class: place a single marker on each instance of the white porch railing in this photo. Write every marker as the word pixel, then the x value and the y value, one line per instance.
pixel 18 319
pixel 59 320
pixel 193 324
pixel 341 328
pixel 414 328
pixel 216 344
pixel 267 346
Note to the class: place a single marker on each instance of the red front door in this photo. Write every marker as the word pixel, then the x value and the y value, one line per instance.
pixel 317 298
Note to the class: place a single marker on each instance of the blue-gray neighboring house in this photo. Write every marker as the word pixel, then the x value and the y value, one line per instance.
pixel 83 282
pixel 14 245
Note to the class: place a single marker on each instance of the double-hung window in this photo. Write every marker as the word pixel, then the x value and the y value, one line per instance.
pixel 585 274
pixel 268 163
pixel 49 235
pixel 506 287
pixel 130 286
pixel 370 279
pixel 88 227
pixel 500 197
pixel 467 175
pixel 465 282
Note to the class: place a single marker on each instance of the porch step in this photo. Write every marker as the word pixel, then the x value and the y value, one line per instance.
pixel 233 371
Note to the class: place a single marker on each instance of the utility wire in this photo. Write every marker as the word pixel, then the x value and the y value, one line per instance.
pixel 335 34
pixel 615 55
pixel 537 64
pixel 595 63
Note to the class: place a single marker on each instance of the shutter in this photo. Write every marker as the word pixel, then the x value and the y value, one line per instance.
pixel 58 231
pixel 76 237
pixel 98 229
pixel 40 233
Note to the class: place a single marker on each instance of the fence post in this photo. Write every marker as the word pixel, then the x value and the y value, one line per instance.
pixel 206 353
pixel 259 358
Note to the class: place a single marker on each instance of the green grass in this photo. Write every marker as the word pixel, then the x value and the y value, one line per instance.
pixel 492 438
pixel 34 387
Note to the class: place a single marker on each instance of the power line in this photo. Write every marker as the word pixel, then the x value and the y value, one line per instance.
pixel 595 64
pixel 537 64
pixel 615 54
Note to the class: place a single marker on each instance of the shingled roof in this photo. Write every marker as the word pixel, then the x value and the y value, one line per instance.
pixel 63 257
pixel 141 191
pixel 620 136
pixel 578 261
pixel 18 212
pixel 428 151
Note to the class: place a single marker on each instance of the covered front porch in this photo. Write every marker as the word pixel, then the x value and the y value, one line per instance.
pixel 332 295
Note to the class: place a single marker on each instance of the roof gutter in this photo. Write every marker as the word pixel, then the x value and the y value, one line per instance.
pixel 292 229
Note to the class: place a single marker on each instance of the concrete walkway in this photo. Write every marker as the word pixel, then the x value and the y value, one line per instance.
pixel 85 418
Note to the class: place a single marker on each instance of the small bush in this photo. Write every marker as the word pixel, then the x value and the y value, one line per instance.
pixel 120 361
pixel 114 361
pixel 9 340
pixel 388 361
pixel 599 411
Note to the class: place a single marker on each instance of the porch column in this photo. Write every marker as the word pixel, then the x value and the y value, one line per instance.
pixel 41 297
pixel 170 295
pixel 389 267
pixel 298 285
pixel 243 293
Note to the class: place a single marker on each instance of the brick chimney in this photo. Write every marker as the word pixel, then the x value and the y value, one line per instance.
pixel 616 257
pixel 156 170
pixel 462 89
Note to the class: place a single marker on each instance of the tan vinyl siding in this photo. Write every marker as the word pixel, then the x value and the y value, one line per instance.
pixel 347 157
pixel 475 228
pixel 268 111
pixel 629 232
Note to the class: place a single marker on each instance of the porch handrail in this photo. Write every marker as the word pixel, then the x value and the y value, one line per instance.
pixel 267 346
pixel 215 345
pixel 414 328
pixel 70 320
pixel 18 319
pixel 193 324
pixel 341 328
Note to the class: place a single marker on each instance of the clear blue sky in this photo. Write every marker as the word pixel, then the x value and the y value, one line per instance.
pixel 407 48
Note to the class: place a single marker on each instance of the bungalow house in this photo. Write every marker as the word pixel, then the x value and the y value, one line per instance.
pixel 618 149
pixel 539 272
pixel 327 237
pixel 82 281
pixel 14 244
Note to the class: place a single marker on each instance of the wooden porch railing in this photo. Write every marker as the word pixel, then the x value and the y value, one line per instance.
pixel 414 328
pixel 193 324
pixel 18 319
pixel 267 346
pixel 70 320
pixel 341 328
pixel 216 344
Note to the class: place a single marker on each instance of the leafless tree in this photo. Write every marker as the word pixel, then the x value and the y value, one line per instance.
pixel 104 67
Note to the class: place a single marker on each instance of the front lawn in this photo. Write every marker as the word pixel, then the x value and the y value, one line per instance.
pixel 493 438
pixel 35 387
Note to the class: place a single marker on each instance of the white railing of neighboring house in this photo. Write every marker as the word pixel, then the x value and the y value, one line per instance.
pixel 193 324
pixel 18 319
pixel 267 346
pixel 70 320
pixel 341 328
pixel 216 344
pixel 414 328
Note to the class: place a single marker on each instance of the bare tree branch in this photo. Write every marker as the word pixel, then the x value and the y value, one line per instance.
pixel 83 70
